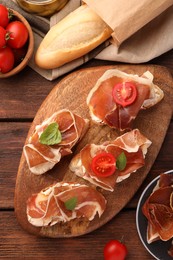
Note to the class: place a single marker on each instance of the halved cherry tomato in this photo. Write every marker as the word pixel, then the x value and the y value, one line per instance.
pixel 103 164
pixel 124 93
pixel 115 250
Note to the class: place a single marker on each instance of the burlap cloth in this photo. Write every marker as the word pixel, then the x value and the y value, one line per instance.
pixel 143 30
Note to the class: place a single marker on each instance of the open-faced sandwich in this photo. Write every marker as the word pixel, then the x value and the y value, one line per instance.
pixel 117 97
pixel 113 161
pixel 63 202
pixel 158 209
pixel 53 139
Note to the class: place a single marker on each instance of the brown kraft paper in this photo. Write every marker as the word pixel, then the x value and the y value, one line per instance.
pixel 127 17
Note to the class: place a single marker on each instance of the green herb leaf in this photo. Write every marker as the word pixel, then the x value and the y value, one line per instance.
pixel 71 203
pixel 121 161
pixel 51 135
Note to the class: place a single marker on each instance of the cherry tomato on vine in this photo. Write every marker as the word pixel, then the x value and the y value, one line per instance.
pixel 124 93
pixel 4 16
pixel 103 164
pixel 3 37
pixel 115 250
pixel 6 60
pixel 18 34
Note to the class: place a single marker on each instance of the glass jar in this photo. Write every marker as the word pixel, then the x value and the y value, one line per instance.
pixel 42 7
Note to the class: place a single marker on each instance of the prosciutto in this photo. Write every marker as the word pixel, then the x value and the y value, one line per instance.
pixel 133 144
pixel 158 209
pixel 103 108
pixel 41 157
pixel 48 207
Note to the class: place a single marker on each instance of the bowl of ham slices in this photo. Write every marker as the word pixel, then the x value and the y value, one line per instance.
pixel 154 216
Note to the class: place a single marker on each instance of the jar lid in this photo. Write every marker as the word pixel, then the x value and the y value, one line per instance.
pixel 42 7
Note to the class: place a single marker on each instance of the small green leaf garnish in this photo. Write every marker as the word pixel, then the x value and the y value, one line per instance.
pixel 71 203
pixel 51 135
pixel 121 161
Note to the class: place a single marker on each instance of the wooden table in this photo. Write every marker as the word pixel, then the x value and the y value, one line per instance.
pixel 21 96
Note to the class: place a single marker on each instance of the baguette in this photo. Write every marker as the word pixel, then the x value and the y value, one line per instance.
pixel 74 36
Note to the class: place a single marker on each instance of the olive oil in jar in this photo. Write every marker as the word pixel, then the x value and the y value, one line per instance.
pixel 42 7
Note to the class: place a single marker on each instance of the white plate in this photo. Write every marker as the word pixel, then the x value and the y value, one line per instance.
pixel 157 249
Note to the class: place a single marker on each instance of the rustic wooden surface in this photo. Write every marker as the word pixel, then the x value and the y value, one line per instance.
pixel 21 97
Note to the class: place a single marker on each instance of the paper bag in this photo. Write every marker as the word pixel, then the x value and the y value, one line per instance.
pixel 127 17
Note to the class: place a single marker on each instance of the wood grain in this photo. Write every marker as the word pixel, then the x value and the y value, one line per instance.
pixel 18 244
pixel 71 93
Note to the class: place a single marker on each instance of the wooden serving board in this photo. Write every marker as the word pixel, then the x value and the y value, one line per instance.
pixel 71 93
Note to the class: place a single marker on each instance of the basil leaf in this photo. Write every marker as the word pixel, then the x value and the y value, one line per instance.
pixel 51 135
pixel 121 161
pixel 71 203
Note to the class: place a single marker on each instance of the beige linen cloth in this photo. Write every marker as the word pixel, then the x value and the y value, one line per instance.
pixel 143 30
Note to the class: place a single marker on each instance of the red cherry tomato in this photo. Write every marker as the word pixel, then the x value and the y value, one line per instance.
pixel 6 59
pixel 115 250
pixel 3 37
pixel 103 164
pixel 18 34
pixel 4 16
pixel 124 93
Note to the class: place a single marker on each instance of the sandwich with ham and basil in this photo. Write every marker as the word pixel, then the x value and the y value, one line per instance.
pixel 63 202
pixel 53 139
pixel 113 161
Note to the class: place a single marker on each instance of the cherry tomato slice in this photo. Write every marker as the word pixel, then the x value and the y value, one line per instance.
pixel 124 93
pixel 103 164
pixel 115 250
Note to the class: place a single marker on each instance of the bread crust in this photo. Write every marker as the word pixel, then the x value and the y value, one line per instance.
pixel 74 36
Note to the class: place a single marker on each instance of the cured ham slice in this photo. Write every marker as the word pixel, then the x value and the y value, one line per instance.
pixel 133 144
pixel 158 209
pixel 105 110
pixel 42 157
pixel 49 207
